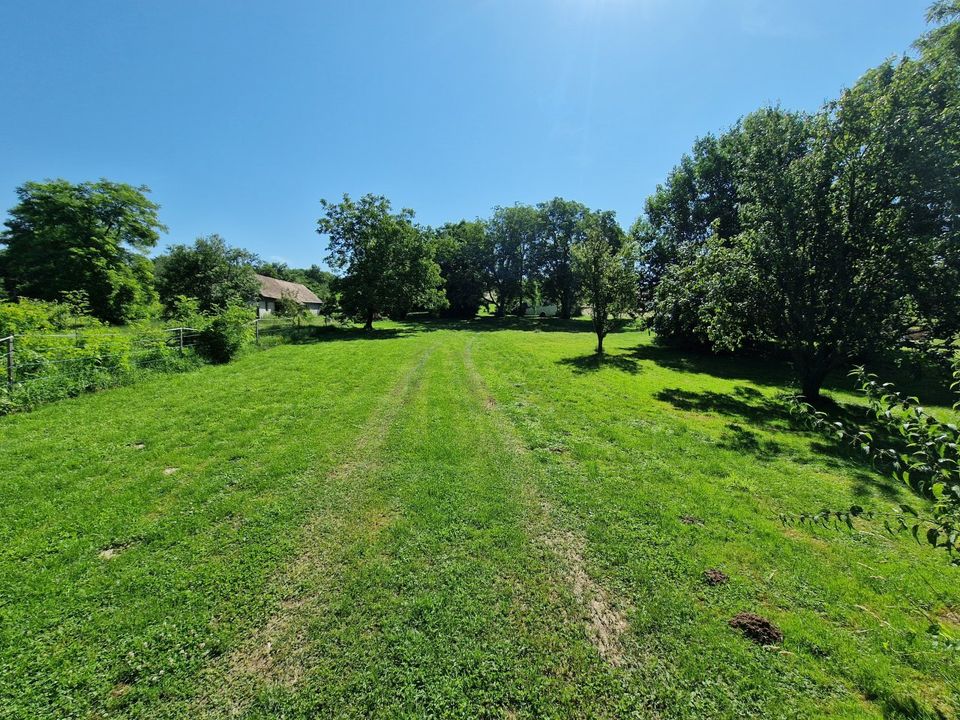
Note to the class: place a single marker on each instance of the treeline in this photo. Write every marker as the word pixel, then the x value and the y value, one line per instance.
pixel 87 244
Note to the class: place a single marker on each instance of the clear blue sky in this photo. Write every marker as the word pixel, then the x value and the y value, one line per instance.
pixel 241 114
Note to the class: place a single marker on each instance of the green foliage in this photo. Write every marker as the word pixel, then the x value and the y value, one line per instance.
pixel 826 235
pixel 210 271
pixel 226 334
pixel 29 316
pixel 91 237
pixel 513 234
pixel 608 279
pixel 291 308
pixel 563 224
pixel 463 250
pixel 60 354
pixel 925 458
pixel 385 259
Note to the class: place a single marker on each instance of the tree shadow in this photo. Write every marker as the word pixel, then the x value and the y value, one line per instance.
pixel 744 403
pixel 771 369
pixel 496 324
pixel 594 362
pixel 741 439
pixel 310 334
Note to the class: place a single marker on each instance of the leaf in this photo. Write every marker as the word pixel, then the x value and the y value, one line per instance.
pixel 909 510
pixel 932 536
pixel 915 531
pixel 856 510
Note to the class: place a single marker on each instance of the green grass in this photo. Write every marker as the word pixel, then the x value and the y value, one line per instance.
pixel 453 521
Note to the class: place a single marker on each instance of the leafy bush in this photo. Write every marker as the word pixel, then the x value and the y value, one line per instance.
pixel 226 334
pixel 916 448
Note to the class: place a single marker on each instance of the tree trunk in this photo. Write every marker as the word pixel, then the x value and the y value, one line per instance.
pixel 368 325
pixel 812 372
pixel 599 343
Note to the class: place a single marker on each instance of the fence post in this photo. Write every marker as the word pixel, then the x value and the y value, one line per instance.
pixel 256 326
pixel 180 332
pixel 10 363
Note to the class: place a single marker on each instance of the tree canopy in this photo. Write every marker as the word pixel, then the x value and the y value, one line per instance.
pixel 89 238
pixel 385 260
pixel 210 271
pixel 606 273
pixel 462 251
pixel 828 235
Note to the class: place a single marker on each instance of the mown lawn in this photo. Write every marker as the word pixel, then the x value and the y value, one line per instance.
pixel 454 521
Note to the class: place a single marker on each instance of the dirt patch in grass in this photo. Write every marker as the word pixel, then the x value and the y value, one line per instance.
pixel 120 689
pixel 691 520
pixel 949 615
pixel 756 628
pixel 110 552
pixel 605 623
pixel 170 470
pixel 714 577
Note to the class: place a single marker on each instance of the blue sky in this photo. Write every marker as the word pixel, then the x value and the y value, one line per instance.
pixel 240 114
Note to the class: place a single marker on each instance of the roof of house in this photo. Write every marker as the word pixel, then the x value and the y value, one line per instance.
pixel 276 289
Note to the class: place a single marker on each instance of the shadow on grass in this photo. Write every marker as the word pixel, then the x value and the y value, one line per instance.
pixel 751 407
pixel 593 363
pixel 744 403
pixel 308 334
pixel 496 324
pixel 772 370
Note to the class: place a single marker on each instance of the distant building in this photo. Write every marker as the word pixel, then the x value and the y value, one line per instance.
pixel 272 290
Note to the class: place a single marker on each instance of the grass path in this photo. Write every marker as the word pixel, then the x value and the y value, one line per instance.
pixel 439 584
pixel 451 523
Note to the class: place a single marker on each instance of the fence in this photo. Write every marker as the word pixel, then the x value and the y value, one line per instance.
pixel 30 357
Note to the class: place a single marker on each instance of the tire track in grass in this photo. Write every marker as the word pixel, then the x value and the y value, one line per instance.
pixel 604 620
pixel 274 654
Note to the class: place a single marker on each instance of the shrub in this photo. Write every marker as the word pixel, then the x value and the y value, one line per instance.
pixel 226 334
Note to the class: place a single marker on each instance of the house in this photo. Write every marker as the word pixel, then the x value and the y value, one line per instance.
pixel 272 290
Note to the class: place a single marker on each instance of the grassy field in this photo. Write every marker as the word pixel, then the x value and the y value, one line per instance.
pixel 463 521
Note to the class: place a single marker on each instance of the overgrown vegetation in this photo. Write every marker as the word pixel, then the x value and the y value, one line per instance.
pixel 59 352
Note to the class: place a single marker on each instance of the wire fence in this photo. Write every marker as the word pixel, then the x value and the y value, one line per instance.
pixel 31 358
pixel 39 367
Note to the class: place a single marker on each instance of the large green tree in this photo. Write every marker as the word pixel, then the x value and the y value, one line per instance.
pixel 385 260
pixel 210 271
pixel 512 270
pixel 89 238
pixel 847 227
pixel 463 250
pixel 563 224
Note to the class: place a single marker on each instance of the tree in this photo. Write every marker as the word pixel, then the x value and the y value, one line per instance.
pixel 91 237
pixel 698 200
pixel 511 269
pixel 289 307
pixel 385 259
pixel 608 278
pixel 847 232
pixel 562 226
pixel 463 250
pixel 211 271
